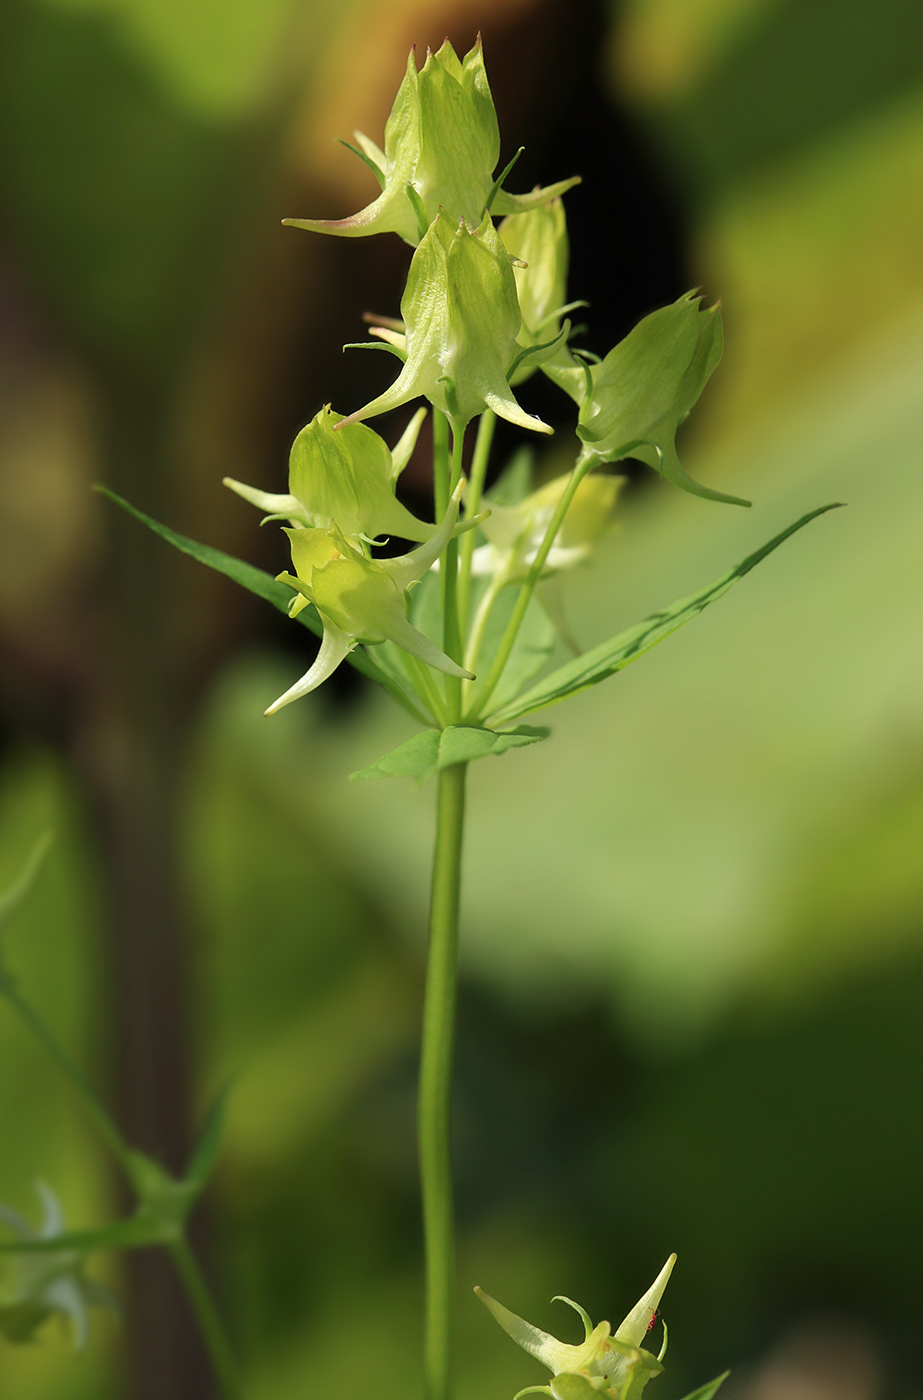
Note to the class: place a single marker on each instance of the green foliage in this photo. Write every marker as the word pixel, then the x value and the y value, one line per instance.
pixel 706 1392
pixel 618 653
pixel 12 899
pixel 426 753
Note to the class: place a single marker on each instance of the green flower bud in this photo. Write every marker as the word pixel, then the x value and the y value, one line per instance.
pixel 614 1365
pixel 442 145
pixel 646 387
pixel 537 241
pixel 461 317
pixel 345 478
pixel 361 599
pixel 44 1284
pixel 515 533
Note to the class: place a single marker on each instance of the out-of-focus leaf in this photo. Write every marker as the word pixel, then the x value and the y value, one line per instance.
pixel 424 754
pixel 205 1155
pixel 620 651
pixel 12 898
pixel 705 1392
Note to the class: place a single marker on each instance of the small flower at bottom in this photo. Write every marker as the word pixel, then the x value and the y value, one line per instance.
pixel 360 599
pixel 612 1364
pixel 46 1283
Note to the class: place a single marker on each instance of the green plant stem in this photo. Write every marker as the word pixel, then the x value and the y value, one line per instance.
pixel 528 588
pixel 479 627
pixel 441 463
pixel 479 461
pixel 104 1123
pixel 209 1323
pixel 427 689
pixel 452 642
pixel 433 1118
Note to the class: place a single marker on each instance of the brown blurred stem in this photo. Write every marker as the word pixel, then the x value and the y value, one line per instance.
pixel 129 750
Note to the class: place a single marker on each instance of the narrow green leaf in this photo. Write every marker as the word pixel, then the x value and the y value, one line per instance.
pixel 620 651
pixel 366 160
pixel 205 1154
pixel 12 898
pixel 375 345
pixel 136 1233
pixel 432 749
pixel 705 1392
pixel 264 586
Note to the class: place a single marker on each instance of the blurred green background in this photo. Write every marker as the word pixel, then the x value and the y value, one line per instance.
pixel 692 955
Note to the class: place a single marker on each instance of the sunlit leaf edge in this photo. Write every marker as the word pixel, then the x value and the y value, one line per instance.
pixel 264 586
pixel 619 651
pixel 424 754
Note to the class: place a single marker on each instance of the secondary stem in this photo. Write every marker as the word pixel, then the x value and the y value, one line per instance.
pixel 528 588
pixel 453 641
pixel 104 1123
pixel 433 1115
pixel 475 490
pixel 206 1315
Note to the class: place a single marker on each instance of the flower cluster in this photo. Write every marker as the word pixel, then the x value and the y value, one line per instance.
pixel 483 309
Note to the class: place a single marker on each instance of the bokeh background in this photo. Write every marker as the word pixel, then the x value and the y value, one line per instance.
pixel 692 966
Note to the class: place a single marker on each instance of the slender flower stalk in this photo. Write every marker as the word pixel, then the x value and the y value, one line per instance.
pixel 486 424
pixel 433 1113
pixel 209 1322
pixel 502 655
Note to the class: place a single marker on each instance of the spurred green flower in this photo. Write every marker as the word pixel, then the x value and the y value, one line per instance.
pixel 344 477
pixel 361 599
pixel 461 319
pixel 537 241
pixel 635 400
pixel 442 144
pixel 44 1284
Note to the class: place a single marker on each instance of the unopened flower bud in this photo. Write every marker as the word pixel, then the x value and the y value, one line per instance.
pixel 646 387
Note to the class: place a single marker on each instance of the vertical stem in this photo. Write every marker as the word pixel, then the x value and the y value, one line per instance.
pixel 441 467
pixel 452 641
pixel 435 1082
pixel 582 466
pixel 206 1315
pixel 479 461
